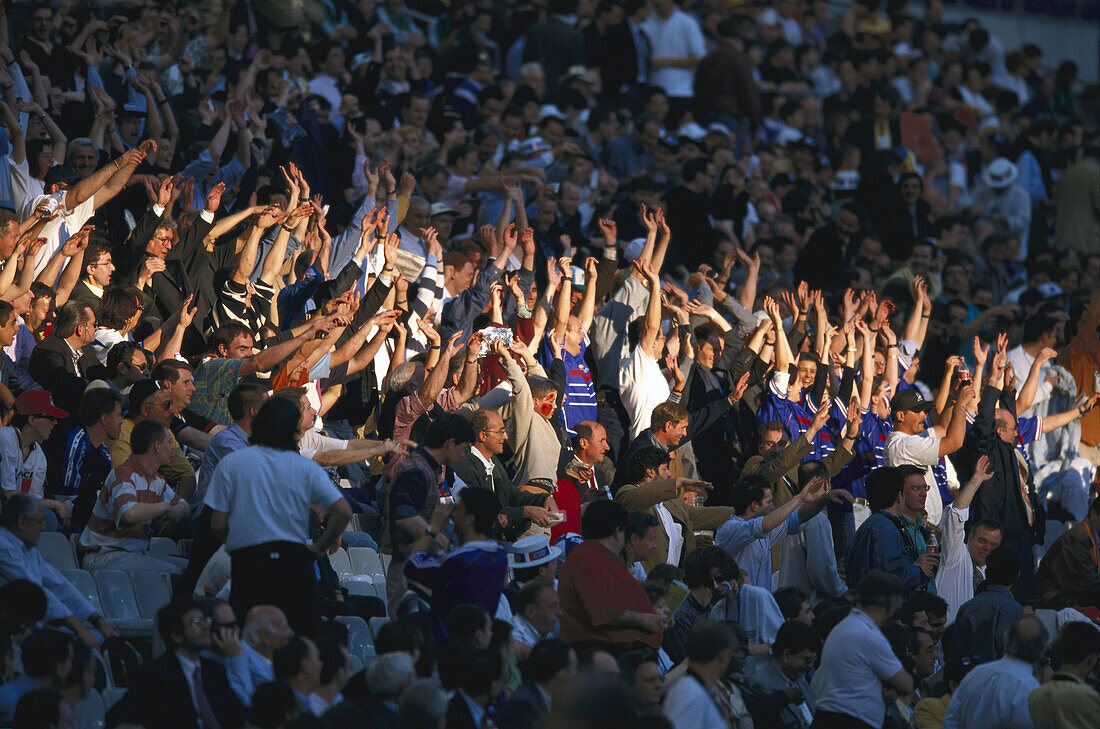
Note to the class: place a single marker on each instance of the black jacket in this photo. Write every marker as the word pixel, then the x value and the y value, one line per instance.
pixel 524 709
pixel 160 697
pixel 999 498
pixel 472 472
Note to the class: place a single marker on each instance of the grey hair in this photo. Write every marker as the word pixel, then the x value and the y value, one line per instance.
pixel 427 696
pixel 16 507
pixel 390 673
pixel 79 142
pixel 401 376
pixel 256 622
pixel 1024 647
pixel 528 68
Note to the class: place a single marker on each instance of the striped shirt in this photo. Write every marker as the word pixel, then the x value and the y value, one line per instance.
pixel 579 404
pixel 124 488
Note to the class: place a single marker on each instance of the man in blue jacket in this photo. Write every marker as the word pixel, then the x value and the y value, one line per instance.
pixel 882 542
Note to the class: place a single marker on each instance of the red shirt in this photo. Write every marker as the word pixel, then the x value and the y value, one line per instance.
pixel 596 588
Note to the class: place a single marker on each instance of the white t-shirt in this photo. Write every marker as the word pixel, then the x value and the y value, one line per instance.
pixel 642 387
pixel 18 475
pixel 267 494
pixel 850 681
pixel 674 531
pixel 58 230
pixel 677 37
pixel 918 450
pixel 689 706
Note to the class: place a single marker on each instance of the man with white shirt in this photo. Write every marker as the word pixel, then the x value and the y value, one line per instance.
pixel 265 631
pixel 537 611
pixel 912 443
pixel 677 47
pixel 417 220
pixel 75 200
pixel 962 564
pixel 642 385
pixel 1041 335
pixel 994 695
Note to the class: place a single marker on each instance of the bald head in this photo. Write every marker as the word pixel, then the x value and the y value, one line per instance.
pixel 1027 640
pixel 591 441
pixel 266 629
pixel 1005 422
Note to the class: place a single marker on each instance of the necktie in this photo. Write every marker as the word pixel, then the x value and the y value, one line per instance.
pixel 977 577
pixel 206 713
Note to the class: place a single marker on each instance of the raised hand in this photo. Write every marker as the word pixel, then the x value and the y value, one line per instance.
pixel 772 310
pixel 214 197
pixel 389 249
pixel 610 230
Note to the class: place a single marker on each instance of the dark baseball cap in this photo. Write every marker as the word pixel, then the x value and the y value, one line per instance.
pixel 909 401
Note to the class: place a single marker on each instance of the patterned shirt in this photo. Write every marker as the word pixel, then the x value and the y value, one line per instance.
pixel 214 380
pixel 124 488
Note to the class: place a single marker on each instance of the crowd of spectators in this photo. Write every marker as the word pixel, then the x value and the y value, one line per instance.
pixel 675 364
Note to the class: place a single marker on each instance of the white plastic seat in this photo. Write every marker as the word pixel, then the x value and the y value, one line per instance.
pixel 341 563
pixel 365 561
pixel 85 585
pixel 152 592
pixel 90 713
pixel 116 594
pixel 164 545
pixel 57 550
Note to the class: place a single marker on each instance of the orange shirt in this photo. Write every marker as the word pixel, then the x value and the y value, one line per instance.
pixel 1081 359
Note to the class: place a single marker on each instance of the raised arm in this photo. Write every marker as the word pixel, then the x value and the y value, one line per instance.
pixel 652 324
pixel 73 250
pixel 269 358
pixel 90 185
pixel 437 378
pixel 273 262
pixel 246 259
pixel 565 294
pixel 588 303
pixel 746 296
pixel 982 473
pixel 1031 385
pixel 783 356
pixel 867 365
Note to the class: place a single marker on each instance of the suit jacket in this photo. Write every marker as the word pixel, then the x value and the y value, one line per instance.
pixel 160 697
pixel 84 295
pixel 472 472
pixel 51 365
pixel 524 709
pixel 663 491
pixel 458 714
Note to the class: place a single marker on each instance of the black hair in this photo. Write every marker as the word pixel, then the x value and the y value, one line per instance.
pixel 276 424
pixel 333 657
pixel 96 403
pixel 483 668
pixel 39 708
pixel 644 459
pixel 878 588
pixel 448 426
pixel 399 634
pixel 483 506
pixel 24 603
pixel 601 519
pixel 1078 642
pixel 884 485
pixel 529 595
pixel 272 704
pixel 707 640
pixel 1037 325
pixel 630 661
pixel 170 618
pixel 1002 566
pixel 638 524
pixel 747 491
pixel 44 650
pixel 789 600
pixel 548 658
pixel 466 620
pixel 287 661
pixel 794 636
pixel 145 434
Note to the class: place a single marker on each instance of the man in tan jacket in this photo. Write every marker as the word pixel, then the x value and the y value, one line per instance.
pixel 651 489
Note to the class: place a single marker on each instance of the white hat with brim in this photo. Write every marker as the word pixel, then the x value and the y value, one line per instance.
pixel 532 551
pixel 1000 174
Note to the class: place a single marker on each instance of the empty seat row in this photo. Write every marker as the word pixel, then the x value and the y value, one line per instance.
pixel 129 601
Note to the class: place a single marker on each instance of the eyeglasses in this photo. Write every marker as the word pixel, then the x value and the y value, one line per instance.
pixel 199 620
pixel 494 430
